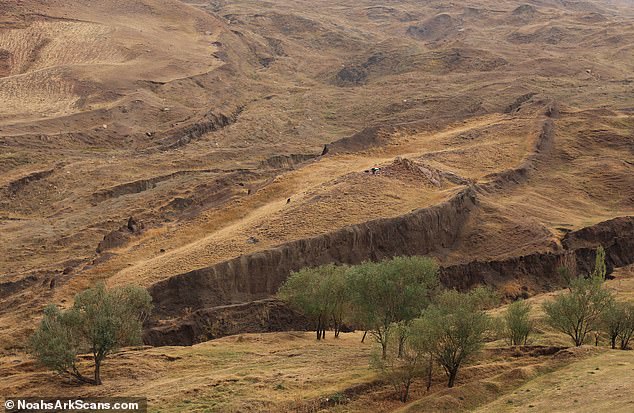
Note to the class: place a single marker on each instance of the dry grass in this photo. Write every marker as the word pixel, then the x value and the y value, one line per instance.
pixel 251 372
pixel 294 372
pixel 141 66
pixel 598 384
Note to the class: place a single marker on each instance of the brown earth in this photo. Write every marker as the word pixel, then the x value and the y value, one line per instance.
pixel 293 372
pixel 503 129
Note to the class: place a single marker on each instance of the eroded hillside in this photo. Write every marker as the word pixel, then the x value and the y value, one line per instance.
pixel 243 132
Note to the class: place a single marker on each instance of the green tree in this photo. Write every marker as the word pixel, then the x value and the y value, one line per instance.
pixel 336 283
pixel 600 269
pixel 320 293
pixel 627 331
pixel 567 268
pixel 455 328
pixel 579 310
pixel 613 321
pixel 100 322
pixel 517 325
pixel 391 291
pixel 400 370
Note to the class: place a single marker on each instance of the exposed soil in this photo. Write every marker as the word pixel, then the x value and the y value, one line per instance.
pixel 241 137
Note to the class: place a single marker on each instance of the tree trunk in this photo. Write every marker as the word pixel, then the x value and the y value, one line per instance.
pixel 97 370
pixel 405 394
pixel 401 346
pixel 430 371
pixel 613 342
pixel 365 333
pixel 624 342
pixel 384 349
pixel 319 328
pixel 578 340
pixel 74 373
pixel 452 377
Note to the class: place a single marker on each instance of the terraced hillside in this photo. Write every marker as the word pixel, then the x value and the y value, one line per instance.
pixel 204 149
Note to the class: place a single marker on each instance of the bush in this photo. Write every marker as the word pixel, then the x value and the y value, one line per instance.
pixel 99 322
pixel 579 310
pixel 517 324
pixel 454 329
pixel 411 360
pixel 618 323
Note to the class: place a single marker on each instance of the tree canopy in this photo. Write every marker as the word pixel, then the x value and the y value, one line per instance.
pixel 100 321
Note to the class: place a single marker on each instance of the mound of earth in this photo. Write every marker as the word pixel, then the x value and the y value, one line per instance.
pixel 440 27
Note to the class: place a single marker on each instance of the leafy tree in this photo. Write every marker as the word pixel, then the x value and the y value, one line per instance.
pixel 613 321
pixel 56 342
pixel 600 269
pixel 320 293
pixel 100 321
pixel 567 269
pixel 456 325
pixel 627 331
pixel 336 282
pixel 391 291
pixel 517 324
pixel 402 369
pixel 579 310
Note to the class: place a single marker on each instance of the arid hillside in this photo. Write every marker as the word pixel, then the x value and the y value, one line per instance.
pixel 292 372
pixel 205 149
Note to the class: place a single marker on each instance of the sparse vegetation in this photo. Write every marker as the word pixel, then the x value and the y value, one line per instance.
pixel 398 300
pixel 403 364
pixel 100 322
pixel 244 136
pixel 448 333
pixel 579 311
pixel 517 325
pixel 456 326
pixel 379 296
pixel 321 294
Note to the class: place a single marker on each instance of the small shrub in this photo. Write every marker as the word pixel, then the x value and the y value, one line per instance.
pixel 580 310
pixel 517 324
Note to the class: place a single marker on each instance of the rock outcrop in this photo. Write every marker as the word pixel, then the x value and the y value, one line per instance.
pixel 121 236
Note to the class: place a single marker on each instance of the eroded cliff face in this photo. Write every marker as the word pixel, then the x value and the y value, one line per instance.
pixel 260 316
pixel 539 272
pixel 195 304
pixel 259 275
pixel 615 235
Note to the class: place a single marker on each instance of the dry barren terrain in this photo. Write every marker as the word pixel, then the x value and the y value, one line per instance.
pixel 205 149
